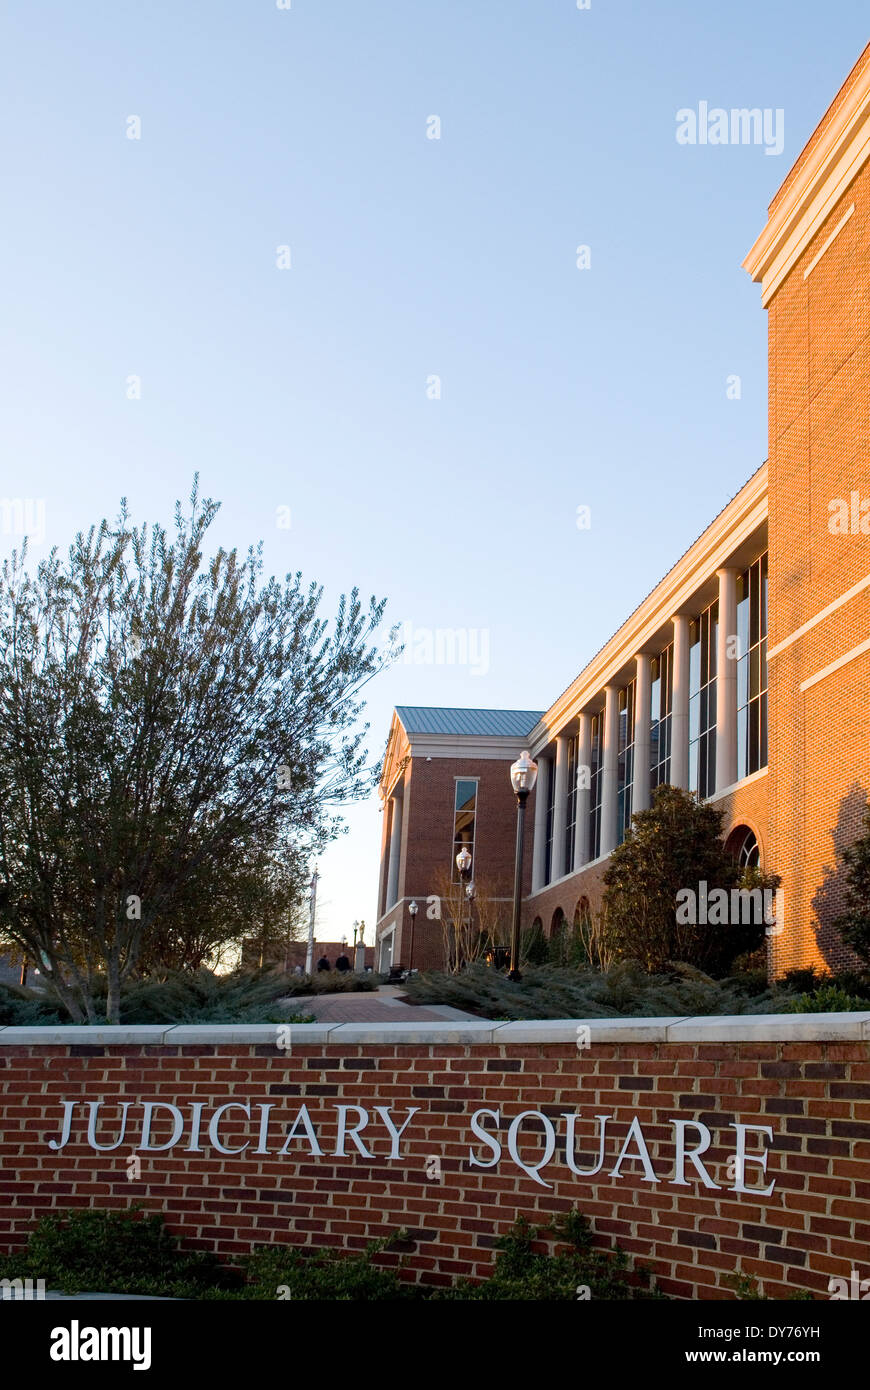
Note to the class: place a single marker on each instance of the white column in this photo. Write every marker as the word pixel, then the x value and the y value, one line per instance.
pixel 726 681
pixel 610 771
pixel 539 849
pixel 640 788
pixel 395 851
pixel 680 704
pixel 560 808
pixel 584 759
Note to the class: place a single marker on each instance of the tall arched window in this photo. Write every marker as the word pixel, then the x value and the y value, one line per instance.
pixel 749 853
pixel 742 844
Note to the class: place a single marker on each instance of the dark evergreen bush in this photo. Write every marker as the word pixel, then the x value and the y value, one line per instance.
pixel 623 991
pixel 23 1008
pixel 115 1252
pixel 575 1269
pixel 129 1252
pixel 201 996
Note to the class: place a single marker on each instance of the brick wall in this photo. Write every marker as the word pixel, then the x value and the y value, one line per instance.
pixel 819 350
pixel 746 805
pixel 566 894
pixel 427 846
pixel 814 1094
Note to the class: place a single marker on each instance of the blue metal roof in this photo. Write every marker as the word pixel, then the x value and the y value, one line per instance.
pixel 479 723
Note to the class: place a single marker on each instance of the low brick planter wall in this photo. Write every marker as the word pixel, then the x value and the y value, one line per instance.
pixel 705 1146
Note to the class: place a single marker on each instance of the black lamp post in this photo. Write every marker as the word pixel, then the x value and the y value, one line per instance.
pixel 523 775
pixel 469 893
pixel 463 864
pixel 412 910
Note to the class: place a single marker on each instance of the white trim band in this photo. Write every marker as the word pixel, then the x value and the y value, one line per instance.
pixel 825 613
pixel 835 665
pixel 836 232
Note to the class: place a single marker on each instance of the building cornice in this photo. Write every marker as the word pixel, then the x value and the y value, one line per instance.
pixel 401 746
pixel 732 527
pixel 395 757
pixel 822 176
pixel 467 746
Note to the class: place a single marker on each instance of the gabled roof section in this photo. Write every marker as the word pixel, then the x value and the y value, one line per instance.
pixel 468 723
pixel 432 732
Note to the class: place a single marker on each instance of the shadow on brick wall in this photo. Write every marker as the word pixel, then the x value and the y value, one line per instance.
pixel 829 899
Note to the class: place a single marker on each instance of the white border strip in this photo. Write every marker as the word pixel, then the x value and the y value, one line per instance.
pixel 825 613
pixel 839 227
pixel 835 665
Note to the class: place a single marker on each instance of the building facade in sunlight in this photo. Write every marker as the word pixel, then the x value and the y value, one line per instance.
pixel 743 676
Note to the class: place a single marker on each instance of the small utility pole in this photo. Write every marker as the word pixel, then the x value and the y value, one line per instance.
pixel 309 954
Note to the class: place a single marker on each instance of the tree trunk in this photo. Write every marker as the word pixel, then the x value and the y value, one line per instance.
pixel 67 998
pixel 113 998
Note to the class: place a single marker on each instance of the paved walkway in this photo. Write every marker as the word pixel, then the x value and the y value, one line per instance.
pixel 383 1005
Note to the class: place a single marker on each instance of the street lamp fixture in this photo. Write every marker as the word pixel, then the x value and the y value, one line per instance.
pixel 524 774
pixel 412 909
pixel 463 864
pixel 470 891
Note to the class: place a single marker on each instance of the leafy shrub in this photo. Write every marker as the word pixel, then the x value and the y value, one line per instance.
pixel 305 1275
pixel 672 847
pixel 116 1252
pixel 523 1272
pixel 853 982
pixel 129 1252
pixel 828 999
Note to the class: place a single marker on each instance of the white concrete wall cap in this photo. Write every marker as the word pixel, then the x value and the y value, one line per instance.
pixel 832 1027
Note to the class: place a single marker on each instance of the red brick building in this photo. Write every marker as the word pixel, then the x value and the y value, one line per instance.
pixel 444 786
pixel 745 674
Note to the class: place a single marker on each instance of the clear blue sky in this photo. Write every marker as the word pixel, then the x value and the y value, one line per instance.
pixel 410 257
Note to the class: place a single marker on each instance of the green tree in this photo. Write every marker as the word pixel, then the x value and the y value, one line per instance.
pixel 854 924
pixel 674 846
pixel 167 725
pixel 256 905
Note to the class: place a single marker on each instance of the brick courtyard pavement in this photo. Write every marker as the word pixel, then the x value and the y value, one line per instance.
pixel 379 1006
